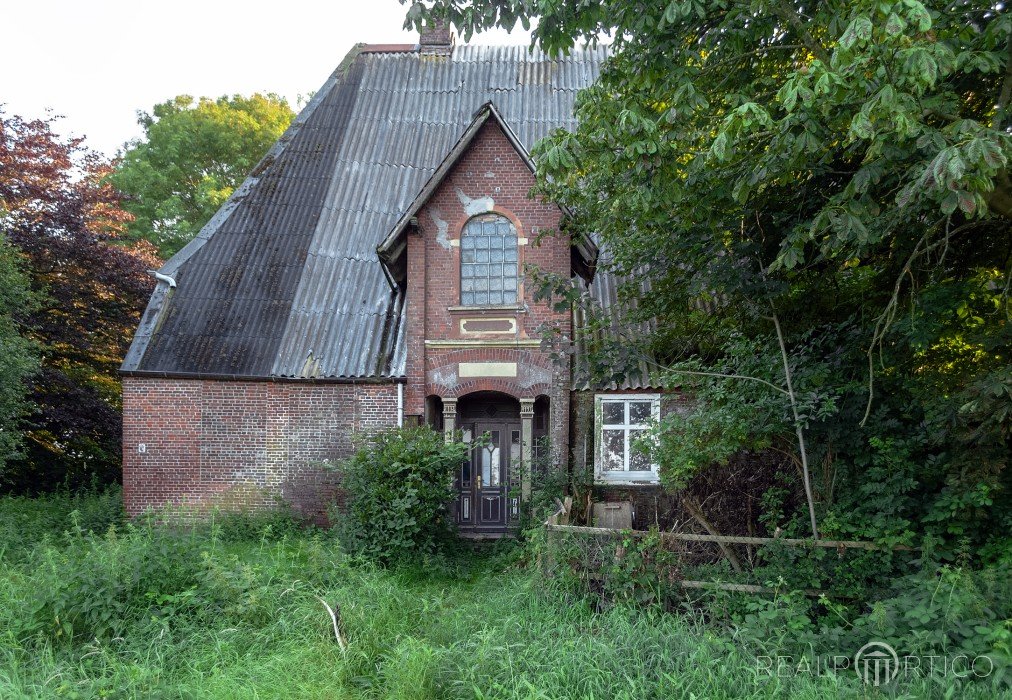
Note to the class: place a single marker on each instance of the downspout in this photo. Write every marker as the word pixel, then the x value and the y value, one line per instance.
pixel 164 278
pixel 400 405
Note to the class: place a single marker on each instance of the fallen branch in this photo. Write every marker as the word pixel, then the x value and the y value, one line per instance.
pixel 337 631
pixel 696 511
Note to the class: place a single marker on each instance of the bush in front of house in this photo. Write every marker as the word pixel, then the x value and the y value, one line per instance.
pixel 398 490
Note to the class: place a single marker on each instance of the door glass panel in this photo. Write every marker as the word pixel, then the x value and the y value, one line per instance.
pixel 465 467
pixel 490 460
pixel 614 412
pixel 639 412
pixel 613 449
pixel 514 447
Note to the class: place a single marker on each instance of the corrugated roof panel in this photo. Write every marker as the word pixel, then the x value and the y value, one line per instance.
pixel 288 269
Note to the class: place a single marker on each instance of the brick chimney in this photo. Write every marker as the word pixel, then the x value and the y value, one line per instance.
pixel 436 38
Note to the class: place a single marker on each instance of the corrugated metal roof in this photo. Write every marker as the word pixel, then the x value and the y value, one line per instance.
pixel 284 281
pixel 605 295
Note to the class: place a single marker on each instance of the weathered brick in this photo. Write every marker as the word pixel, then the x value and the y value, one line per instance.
pixel 242 443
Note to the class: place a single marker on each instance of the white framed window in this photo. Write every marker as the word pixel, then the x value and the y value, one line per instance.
pixel 620 420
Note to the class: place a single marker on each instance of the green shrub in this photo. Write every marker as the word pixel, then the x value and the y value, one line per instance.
pixel 399 485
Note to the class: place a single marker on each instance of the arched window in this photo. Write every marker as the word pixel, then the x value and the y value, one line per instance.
pixel 488 261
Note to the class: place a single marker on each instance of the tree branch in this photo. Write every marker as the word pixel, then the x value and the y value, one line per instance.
pixel 798 430
pixel 789 15
pixel 1003 117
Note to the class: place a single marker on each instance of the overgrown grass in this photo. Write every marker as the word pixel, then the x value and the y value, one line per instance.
pixel 231 611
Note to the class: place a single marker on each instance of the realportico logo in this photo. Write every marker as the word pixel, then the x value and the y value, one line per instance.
pixel 878 664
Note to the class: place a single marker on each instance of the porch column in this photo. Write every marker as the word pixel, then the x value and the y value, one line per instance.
pixel 526 451
pixel 449 418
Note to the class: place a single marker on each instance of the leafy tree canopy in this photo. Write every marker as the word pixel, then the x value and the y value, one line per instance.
pixel 840 167
pixel 19 356
pixel 194 153
pixel 64 220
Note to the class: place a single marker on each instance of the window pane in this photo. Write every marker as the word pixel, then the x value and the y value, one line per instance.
pixel 639 412
pixel 613 450
pixel 639 461
pixel 489 257
pixel 613 412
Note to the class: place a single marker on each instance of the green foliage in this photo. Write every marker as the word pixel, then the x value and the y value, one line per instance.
pixel 191 158
pixel 399 486
pixel 839 170
pixel 88 290
pixel 103 584
pixel 19 356
pixel 241 619
pixel 944 612
pixel 28 521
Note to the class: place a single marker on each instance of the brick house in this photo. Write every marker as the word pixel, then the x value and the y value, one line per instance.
pixel 370 273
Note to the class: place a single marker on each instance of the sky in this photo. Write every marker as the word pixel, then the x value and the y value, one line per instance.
pixel 97 62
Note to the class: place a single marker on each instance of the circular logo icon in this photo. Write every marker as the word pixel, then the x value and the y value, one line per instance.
pixel 877 663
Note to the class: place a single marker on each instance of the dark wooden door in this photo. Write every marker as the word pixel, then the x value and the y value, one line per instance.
pixel 483 500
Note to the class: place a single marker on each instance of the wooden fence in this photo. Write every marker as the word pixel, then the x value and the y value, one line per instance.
pixel 558 523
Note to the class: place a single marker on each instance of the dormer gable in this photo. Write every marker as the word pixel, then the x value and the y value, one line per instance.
pixel 392 251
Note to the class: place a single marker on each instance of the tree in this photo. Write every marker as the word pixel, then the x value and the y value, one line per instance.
pixel 66 223
pixel 19 356
pixel 837 172
pixel 192 156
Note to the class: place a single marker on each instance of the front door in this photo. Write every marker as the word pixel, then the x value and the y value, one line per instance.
pixel 484 504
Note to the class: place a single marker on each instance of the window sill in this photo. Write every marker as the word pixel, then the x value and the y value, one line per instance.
pixel 514 308
pixel 628 480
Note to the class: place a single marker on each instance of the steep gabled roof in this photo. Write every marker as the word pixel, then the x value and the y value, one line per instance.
pixel 284 281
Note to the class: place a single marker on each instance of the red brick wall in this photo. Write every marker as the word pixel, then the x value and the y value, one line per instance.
pixel 242 443
pixel 493 172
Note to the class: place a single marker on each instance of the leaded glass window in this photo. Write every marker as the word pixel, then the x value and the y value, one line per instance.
pixel 488 261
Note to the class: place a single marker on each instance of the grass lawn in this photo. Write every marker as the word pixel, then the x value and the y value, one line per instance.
pixel 231 611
